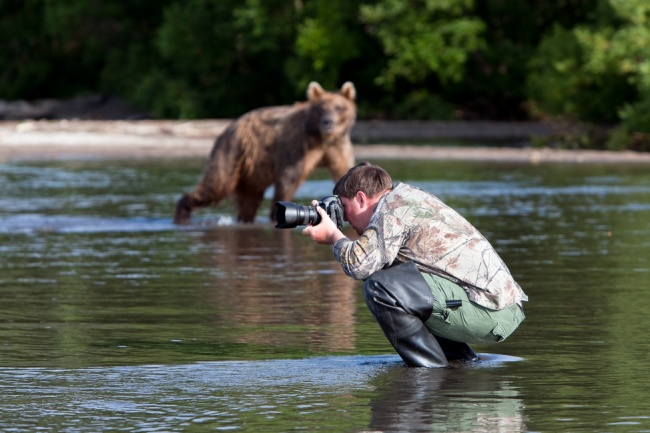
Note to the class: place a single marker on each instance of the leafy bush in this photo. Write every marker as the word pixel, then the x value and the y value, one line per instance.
pixel 598 72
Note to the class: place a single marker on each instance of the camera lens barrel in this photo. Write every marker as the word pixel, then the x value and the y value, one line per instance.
pixel 290 215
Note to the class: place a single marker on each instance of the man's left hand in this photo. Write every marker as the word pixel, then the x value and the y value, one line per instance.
pixel 325 232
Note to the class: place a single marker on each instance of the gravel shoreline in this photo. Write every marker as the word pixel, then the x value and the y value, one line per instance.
pixel 74 139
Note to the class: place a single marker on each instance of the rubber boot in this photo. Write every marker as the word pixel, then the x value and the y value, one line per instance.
pixel 455 350
pixel 401 301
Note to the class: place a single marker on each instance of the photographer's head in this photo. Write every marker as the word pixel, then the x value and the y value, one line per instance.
pixel 360 189
pixel 366 177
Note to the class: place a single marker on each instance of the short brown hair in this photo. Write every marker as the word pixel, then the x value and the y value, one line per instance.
pixel 366 177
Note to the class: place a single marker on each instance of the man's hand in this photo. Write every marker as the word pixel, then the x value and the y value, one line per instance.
pixel 325 232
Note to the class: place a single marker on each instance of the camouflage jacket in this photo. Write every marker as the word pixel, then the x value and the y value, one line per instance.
pixel 411 224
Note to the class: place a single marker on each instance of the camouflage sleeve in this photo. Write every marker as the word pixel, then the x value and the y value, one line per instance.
pixel 372 251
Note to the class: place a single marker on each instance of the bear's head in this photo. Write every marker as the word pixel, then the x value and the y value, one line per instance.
pixel 331 114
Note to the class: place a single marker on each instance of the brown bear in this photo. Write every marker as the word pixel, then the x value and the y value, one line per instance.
pixel 277 146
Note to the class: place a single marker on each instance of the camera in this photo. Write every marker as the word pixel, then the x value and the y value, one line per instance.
pixel 290 215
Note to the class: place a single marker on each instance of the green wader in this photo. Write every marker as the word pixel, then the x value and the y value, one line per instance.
pixel 456 318
pixel 430 320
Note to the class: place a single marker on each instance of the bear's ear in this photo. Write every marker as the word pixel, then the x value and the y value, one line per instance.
pixel 348 90
pixel 314 91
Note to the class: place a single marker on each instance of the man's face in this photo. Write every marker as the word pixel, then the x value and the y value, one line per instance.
pixel 356 213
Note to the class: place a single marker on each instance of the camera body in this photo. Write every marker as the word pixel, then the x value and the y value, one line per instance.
pixel 290 215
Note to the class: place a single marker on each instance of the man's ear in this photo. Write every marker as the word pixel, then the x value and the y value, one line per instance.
pixel 362 198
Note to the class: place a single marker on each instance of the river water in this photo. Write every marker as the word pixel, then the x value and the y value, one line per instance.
pixel 114 319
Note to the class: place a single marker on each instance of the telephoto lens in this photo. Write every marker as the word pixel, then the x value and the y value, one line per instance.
pixel 290 215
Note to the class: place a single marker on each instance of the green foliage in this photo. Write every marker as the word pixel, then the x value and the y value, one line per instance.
pixel 599 71
pixel 220 59
pixel 422 105
pixel 215 58
pixel 584 60
pixel 25 54
pixel 195 43
pixel 421 38
pixel 326 39
pixel 562 83
pixel 633 132
pixel 494 85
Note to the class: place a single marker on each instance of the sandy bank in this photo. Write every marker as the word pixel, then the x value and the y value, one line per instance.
pixel 70 139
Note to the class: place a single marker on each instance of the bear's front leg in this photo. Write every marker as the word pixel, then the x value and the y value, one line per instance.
pixel 285 188
pixel 247 204
pixel 183 210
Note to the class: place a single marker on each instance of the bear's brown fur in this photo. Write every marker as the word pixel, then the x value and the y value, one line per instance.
pixel 277 146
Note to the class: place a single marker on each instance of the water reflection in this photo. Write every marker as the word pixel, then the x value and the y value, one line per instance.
pixel 453 400
pixel 323 393
pixel 268 282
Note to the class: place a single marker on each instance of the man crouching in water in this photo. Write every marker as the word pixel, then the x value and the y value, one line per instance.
pixel 432 281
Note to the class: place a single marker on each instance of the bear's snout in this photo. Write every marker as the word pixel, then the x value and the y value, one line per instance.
pixel 327 124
